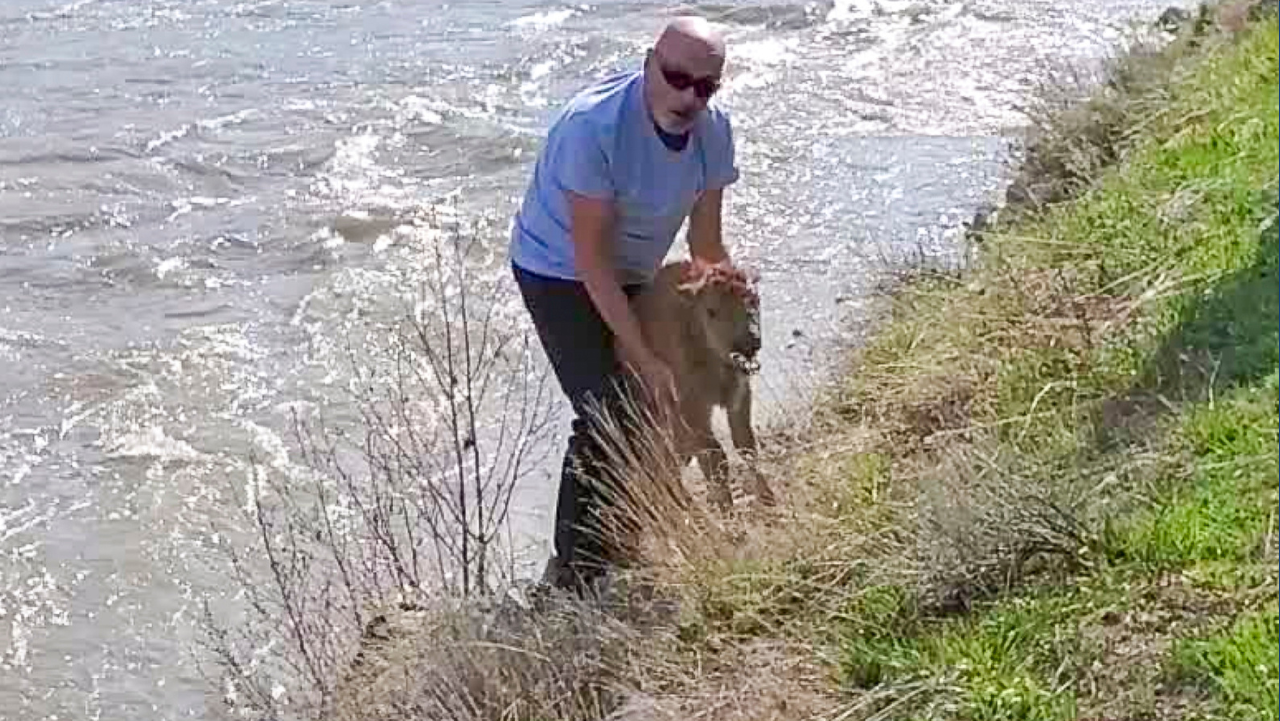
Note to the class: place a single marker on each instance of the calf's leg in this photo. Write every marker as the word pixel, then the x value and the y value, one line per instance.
pixel 711 457
pixel 744 440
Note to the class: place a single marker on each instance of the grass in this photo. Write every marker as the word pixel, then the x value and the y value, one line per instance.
pixel 1238 665
pixel 1034 652
pixel 1118 350
pixel 1223 511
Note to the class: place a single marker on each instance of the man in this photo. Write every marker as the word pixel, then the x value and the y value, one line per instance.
pixel 627 161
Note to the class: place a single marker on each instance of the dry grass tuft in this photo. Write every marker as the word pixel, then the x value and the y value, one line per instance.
pixel 692 625
pixel 753 681
pixel 984 519
pixel 555 659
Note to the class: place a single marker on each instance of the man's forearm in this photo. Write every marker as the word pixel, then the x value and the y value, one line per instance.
pixel 612 304
pixel 592 221
pixel 706 237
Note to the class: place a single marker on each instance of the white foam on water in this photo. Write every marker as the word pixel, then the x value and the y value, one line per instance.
pixel 353 156
pixel 182 206
pixel 297 104
pixel 168 137
pixel 414 108
pixel 849 11
pixel 148 442
pixel 269 443
pixel 542 69
pixel 168 265
pixel 222 121
pixel 846 10
pixel 757 63
pixel 21 451
pixel 356 178
pixel 544 20
pixel 227 341
pixel 34 601
pixel 63 12
pixel 19 520
pixel 767 51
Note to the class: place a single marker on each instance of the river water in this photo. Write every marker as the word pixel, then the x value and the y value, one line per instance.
pixel 195 199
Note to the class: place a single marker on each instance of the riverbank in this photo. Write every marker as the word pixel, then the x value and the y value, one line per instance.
pixel 1045 490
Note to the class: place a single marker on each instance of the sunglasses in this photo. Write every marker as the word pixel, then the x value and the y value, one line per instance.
pixel 704 88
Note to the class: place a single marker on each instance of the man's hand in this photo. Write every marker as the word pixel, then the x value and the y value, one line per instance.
pixel 660 384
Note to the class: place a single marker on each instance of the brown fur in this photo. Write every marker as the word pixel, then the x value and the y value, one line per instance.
pixel 694 316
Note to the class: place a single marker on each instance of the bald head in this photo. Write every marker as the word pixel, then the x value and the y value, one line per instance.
pixel 683 71
pixel 690 37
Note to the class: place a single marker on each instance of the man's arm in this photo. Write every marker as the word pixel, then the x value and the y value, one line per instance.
pixel 591 222
pixel 583 172
pixel 706 239
pixel 581 168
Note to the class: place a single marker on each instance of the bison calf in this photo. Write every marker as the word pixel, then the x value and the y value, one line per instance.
pixel 703 321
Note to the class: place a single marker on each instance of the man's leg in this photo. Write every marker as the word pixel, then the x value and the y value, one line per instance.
pixel 579 345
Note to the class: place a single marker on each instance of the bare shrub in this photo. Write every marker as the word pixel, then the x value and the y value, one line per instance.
pixel 406 509
pixel 1082 118
pixel 369 567
pixel 617 655
pixel 983 516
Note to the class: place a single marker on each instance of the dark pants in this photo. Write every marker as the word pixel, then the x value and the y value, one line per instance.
pixel 579 345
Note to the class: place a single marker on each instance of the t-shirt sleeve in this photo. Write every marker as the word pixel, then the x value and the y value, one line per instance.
pixel 579 160
pixel 722 165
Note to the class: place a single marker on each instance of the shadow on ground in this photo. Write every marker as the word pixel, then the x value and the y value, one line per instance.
pixel 1227 336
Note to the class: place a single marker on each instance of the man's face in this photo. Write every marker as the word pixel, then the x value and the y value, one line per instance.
pixel 680 83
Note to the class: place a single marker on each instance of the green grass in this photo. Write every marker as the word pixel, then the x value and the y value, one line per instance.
pixel 1023 657
pixel 1239 665
pixel 1004 662
pixel 1126 340
pixel 1225 510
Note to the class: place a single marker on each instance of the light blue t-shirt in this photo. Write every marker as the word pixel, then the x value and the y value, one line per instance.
pixel 604 145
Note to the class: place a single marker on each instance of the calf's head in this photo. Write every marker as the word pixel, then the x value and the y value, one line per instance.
pixel 726 312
